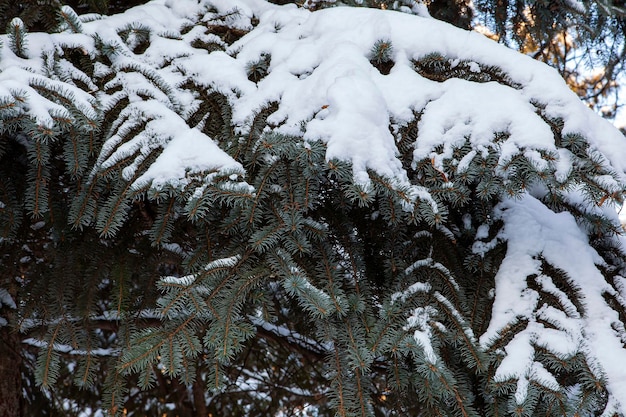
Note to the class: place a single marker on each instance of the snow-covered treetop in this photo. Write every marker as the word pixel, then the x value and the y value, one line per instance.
pixel 388 93
pixel 319 71
pixel 350 77
pixel 317 67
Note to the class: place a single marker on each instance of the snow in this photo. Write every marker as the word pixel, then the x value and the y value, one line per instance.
pixel 532 230
pixel 188 150
pixel 454 116
pixel 71 350
pixel 326 89
pixel 412 289
pixel 420 319
pixel 6 300
pixel 292 336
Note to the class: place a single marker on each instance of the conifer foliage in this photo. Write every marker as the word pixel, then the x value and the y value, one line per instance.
pixel 248 209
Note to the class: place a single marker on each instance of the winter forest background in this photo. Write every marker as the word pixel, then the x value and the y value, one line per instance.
pixel 317 208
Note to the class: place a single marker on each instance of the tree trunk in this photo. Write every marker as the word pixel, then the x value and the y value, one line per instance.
pixel 10 375
pixel 199 399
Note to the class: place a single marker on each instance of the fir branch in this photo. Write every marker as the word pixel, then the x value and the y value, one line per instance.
pixel 18 37
pixel 70 20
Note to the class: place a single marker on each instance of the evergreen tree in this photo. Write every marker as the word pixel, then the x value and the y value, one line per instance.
pixel 263 210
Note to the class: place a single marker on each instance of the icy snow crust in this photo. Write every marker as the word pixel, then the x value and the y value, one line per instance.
pixel 326 89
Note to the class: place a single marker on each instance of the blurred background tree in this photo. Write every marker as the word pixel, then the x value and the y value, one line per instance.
pixel 583 40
